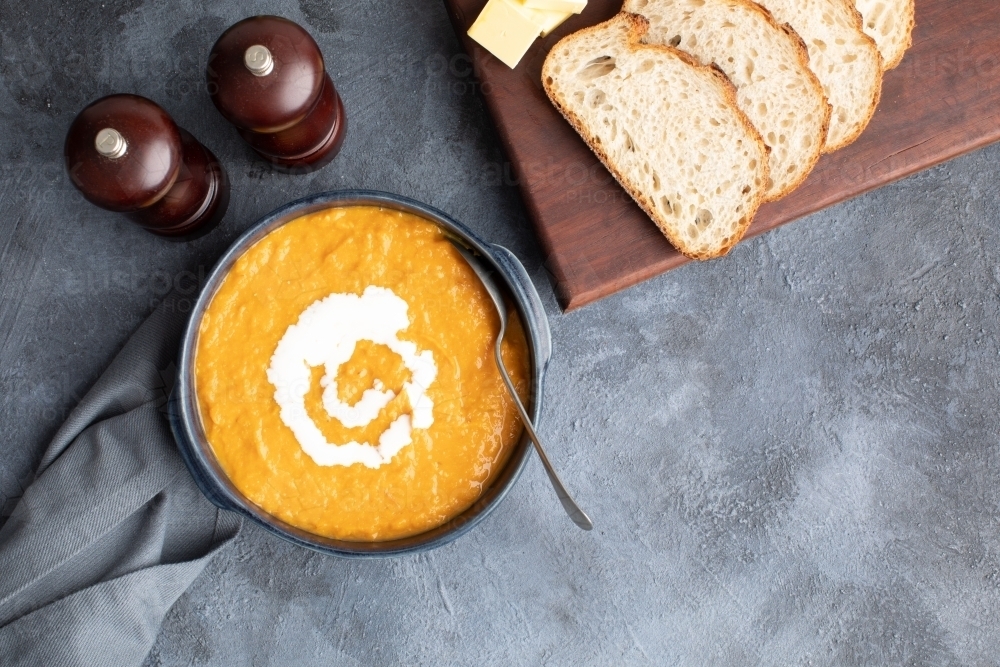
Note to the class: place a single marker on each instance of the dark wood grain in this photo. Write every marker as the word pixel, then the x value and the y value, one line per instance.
pixel 196 202
pixel 942 101
pixel 165 180
pixel 147 169
pixel 293 116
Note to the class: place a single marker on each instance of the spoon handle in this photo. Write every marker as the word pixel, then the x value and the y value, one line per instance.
pixel 578 516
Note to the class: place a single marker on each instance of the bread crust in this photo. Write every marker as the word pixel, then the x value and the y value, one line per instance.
pixel 637 27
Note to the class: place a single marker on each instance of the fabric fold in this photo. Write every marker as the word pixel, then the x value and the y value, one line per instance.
pixel 113 529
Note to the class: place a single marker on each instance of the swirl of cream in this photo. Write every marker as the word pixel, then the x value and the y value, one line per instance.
pixel 326 334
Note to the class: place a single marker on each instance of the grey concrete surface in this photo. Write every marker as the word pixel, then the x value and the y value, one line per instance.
pixel 791 454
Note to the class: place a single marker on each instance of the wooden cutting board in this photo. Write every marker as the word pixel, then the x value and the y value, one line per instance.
pixel 942 101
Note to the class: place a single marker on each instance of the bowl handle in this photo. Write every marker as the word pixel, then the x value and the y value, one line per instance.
pixel 533 302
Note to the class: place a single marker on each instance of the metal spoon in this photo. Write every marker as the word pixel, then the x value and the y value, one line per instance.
pixel 578 516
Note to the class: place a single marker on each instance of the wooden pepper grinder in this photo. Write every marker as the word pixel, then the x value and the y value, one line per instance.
pixel 126 154
pixel 266 76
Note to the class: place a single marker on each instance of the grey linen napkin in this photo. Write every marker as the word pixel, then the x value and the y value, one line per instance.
pixel 113 529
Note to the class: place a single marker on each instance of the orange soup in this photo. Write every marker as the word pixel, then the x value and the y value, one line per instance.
pixel 345 376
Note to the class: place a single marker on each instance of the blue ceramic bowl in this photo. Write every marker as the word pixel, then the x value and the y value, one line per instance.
pixel 185 418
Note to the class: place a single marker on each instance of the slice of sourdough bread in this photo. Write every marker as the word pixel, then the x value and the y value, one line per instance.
pixel 844 58
pixel 668 129
pixel 769 66
pixel 890 24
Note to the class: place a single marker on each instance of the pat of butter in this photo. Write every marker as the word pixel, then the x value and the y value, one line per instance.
pixel 571 6
pixel 546 20
pixel 506 30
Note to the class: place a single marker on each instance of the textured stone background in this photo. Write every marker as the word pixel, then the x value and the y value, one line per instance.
pixel 791 454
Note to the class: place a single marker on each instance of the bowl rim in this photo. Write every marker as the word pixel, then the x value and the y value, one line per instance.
pixel 185 418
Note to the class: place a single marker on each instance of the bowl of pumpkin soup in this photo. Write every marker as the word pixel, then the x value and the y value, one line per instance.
pixel 336 383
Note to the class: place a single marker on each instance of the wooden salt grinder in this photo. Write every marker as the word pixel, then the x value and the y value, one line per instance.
pixel 126 154
pixel 266 76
